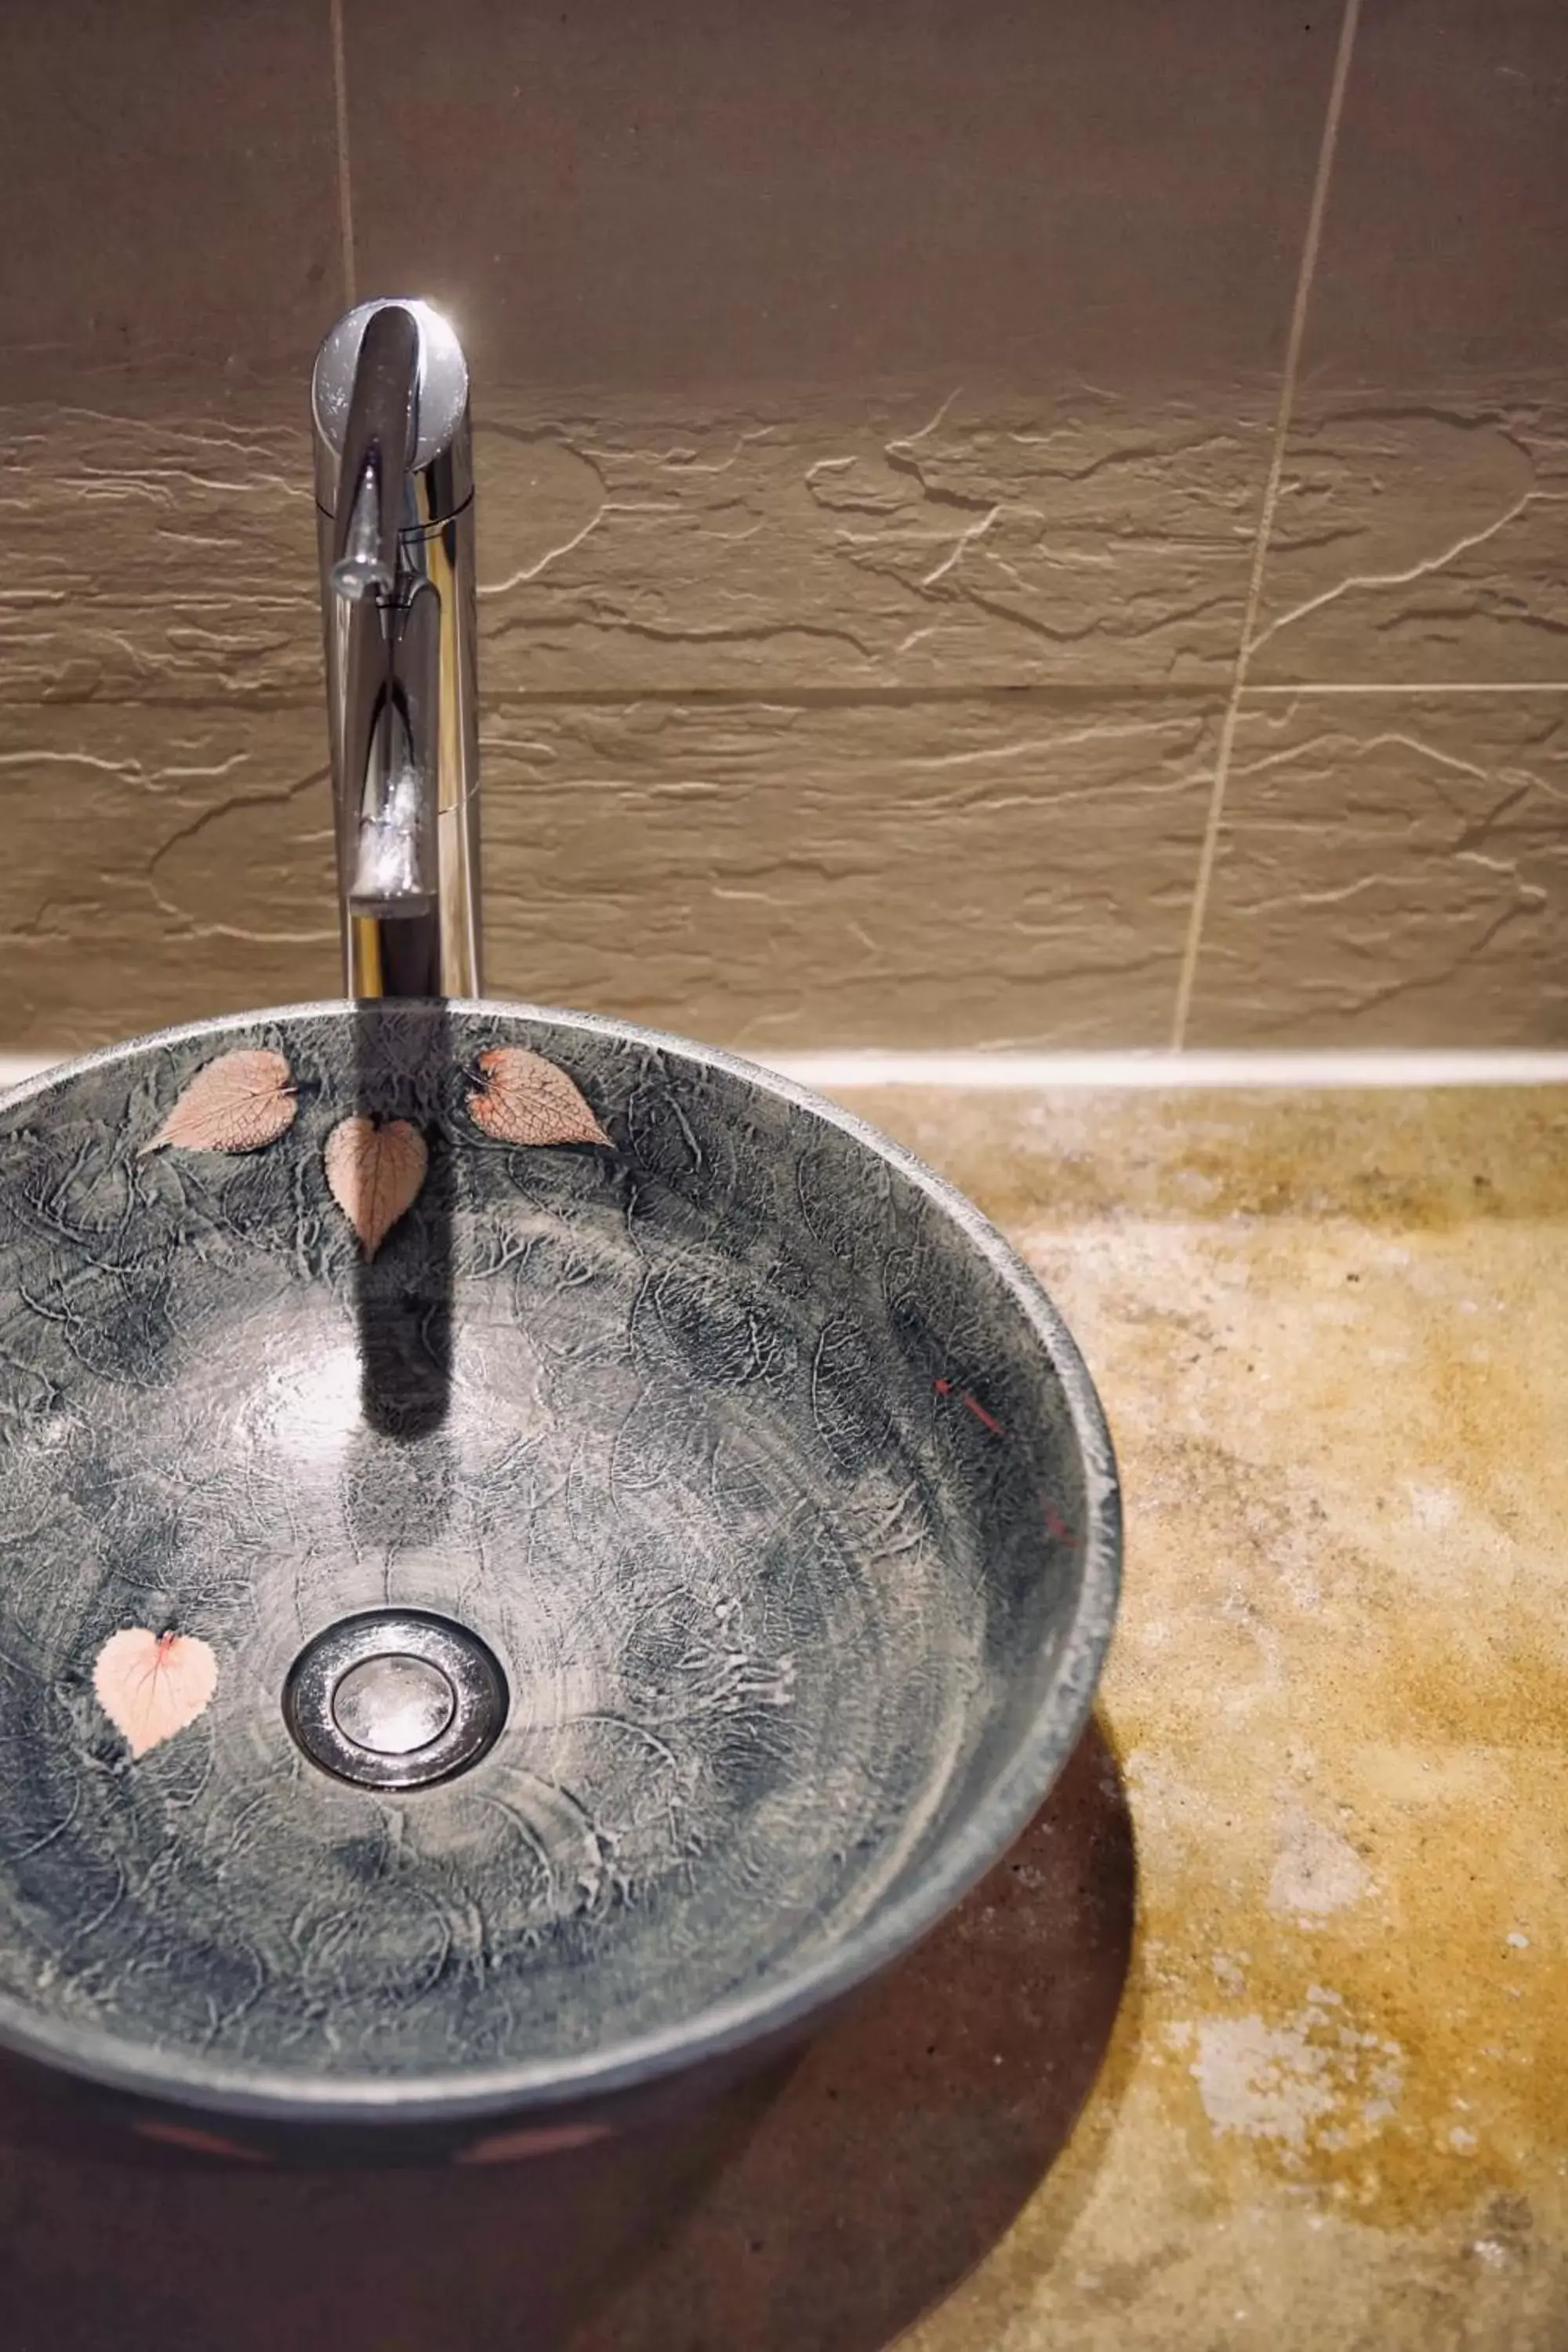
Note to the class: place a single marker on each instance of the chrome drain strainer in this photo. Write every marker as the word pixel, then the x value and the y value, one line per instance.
pixel 395 1698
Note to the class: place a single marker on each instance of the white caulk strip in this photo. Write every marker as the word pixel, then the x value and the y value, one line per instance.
pixel 832 1071
pixel 15 1067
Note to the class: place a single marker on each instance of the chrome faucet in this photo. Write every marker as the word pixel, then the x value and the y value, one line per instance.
pixel 395 491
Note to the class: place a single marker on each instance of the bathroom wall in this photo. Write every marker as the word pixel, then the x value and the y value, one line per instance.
pixel 1000 524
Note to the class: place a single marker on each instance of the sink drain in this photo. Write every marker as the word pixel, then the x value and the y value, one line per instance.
pixel 395 1698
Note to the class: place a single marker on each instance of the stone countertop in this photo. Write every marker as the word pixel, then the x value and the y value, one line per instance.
pixel 1331 1337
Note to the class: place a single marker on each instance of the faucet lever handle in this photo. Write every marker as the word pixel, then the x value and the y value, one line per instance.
pixel 378 446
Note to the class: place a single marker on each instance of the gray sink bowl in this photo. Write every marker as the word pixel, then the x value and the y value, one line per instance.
pixel 511 1636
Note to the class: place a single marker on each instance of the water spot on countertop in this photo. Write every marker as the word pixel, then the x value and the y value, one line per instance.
pixel 1316 1870
pixel 1432 1506
pixel 1316 2081
pixel 1230 1972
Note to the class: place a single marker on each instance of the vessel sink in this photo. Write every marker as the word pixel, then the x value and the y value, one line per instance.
pixel 535 1559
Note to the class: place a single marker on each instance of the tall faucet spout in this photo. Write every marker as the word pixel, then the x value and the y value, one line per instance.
pixel 394 488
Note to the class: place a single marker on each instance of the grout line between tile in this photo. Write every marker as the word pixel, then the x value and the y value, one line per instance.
pixel 1304 276
pixel 345 186
pixel 1439 686
pixel 1127 1067
pixel 1067 696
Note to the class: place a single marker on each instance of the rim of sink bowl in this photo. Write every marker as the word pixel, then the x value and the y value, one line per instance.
pixel 767 2016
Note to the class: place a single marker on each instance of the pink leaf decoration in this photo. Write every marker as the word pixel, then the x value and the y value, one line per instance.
pixel 526 1099
pixel 374 1173
pixel 237 1103
pixel 150 1685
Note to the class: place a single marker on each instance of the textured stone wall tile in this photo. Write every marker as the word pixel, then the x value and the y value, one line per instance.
pixel 1423 522
pixel 171 190
pixel 931 350
pixel 1004 870
pixel 697 193
pixel 159 865
pixel 171 555
pixel 850 540
pixel 1449 205
pixel 159 553
pixel 1000 870
pixel 1421 540
pixel 1392 872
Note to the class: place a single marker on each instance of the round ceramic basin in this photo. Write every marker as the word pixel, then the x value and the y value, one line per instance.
pixel 534 1558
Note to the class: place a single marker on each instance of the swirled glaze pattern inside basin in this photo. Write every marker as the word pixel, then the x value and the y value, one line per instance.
pixel 761 1468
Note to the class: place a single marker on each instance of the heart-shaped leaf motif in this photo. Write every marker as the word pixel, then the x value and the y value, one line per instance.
pixel 150 1685
pixel 525 1100
pixel 374 1173
pixel 237 1103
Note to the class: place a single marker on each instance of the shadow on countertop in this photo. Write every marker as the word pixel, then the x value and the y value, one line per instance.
pixel 827 2206
pixel 913 2133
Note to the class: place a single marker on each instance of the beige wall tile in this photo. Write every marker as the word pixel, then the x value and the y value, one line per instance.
pixel 1448 200
pixel 165 550
pixel 161 865
pixel 170 192
pixel 702 195
pixel 159 550
pixel 963 871
pixel 1393 871
pixel 1423 515
pixel 988 871
pixel 929 346
pixel 1420 540
pixel 829 538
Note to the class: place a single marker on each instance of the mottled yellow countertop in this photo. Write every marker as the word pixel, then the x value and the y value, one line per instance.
pixel 1332 1336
